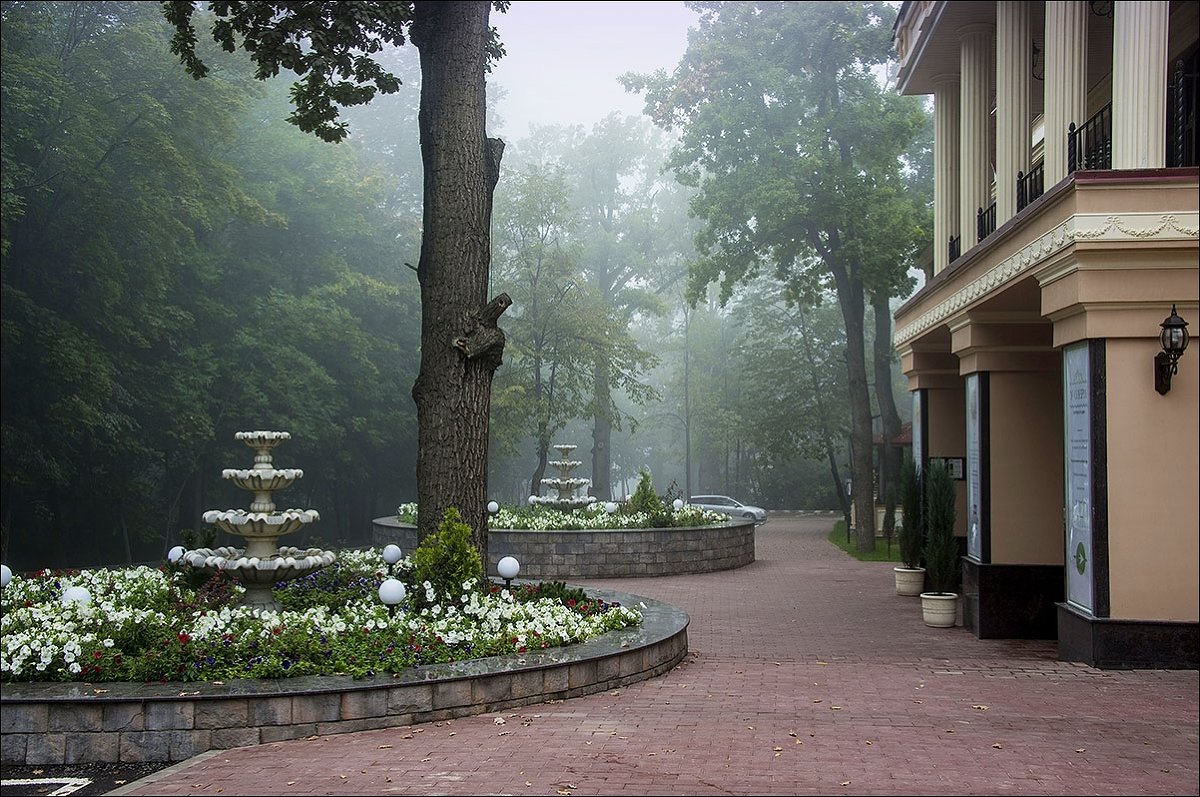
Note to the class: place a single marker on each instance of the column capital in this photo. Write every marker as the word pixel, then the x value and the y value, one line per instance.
pixel 974 29
pixel 945 80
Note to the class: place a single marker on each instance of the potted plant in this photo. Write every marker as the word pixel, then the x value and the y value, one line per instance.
pixel 910 576
pixel 940 603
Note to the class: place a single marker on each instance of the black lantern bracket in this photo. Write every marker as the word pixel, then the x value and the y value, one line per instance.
pixel 1173 338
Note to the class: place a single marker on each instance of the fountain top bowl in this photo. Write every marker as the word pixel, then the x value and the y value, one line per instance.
pixel 262 438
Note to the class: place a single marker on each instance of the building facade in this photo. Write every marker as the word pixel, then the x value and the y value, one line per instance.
pixel 1066 231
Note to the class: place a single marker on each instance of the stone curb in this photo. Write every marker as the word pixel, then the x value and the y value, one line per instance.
pixel 77 723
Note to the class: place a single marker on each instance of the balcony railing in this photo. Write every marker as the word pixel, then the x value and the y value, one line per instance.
pixel 955 247
pixel 985 221
pixel 1090 146
pixel 1181 149
pixel 1030 186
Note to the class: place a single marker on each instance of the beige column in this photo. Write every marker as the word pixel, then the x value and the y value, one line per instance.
pixel 1066 81
pixel 975 168
pixel 1013 66
pixel 1139 84
pixel 945 168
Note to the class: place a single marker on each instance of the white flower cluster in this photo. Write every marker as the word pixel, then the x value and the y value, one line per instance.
pixel 41 638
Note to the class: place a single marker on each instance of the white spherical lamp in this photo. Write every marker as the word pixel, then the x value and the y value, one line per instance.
pixel 391 592
pixel 5 576
pixel 678 504
pixel 611 507
pixel 532 500
pixel 391 555
pixel 76 595
pixel 508 567
pixel 175 555
pixel 493 507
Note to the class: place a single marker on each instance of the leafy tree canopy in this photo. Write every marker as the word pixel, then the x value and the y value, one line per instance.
pixel 329 45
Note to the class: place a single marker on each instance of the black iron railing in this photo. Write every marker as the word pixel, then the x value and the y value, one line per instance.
pixel 1090 146
pixel 955 247
pixel 1030 186
pixel 985 221
pixel 1182 143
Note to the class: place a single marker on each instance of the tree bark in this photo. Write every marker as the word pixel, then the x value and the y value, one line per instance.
pixel 889 462
pixel 602 431
pixel 461 344
pixel 851 301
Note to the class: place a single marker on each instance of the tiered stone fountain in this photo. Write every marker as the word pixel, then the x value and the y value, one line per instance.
pixel 262 563
pixel 565 485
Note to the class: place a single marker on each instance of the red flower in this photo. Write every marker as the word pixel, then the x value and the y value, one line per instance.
pixel 184 638
pixel 521 649
pixel 97 654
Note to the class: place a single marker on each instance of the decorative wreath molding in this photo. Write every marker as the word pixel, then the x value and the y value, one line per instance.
pixel 1081 227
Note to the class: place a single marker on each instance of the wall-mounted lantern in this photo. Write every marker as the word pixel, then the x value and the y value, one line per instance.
pixel 1174 340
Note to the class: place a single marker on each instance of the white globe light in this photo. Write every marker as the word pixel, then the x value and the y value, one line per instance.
pixel 532 500
pixel 5 575
pixel 678 504
pixel 610 508
pixel 77 595
pixel 493 507
pixel 391 591
pixel 176 553
pixel 392 554
pixel 508 567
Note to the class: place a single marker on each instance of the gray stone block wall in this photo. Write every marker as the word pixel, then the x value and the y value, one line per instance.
pixel 604 554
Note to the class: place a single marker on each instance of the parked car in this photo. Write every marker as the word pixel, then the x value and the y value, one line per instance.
pixel 730 506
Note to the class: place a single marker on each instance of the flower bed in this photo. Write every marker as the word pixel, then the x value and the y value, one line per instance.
pixel 144 624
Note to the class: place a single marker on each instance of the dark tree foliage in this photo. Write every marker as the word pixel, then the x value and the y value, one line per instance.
pixel 177 267
pixel 461 343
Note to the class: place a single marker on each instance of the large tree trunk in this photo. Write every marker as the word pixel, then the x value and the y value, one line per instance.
pixel 461 346
pixel 851 300
pixel 889 461
pixel 602 432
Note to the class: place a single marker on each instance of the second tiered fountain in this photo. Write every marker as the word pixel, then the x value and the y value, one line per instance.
pixel 262 563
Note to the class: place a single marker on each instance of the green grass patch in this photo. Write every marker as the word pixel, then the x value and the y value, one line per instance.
pixel 880 554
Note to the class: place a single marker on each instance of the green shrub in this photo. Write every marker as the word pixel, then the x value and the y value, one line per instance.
pixel 447 560
pixel 941 548
pixel 912 532
pixel 644 498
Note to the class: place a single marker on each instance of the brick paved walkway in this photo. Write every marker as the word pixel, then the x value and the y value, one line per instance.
pixel 807 675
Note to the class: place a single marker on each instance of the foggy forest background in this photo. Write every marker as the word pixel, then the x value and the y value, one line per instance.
pixel 180 264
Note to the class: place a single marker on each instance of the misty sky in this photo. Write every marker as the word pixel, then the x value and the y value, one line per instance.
pixel 564 58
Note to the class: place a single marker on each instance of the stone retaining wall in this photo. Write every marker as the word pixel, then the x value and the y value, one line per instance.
pixel 609 553
pixel 76 723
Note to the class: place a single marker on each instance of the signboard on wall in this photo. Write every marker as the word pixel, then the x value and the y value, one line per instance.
pixel 918 428
pixel 1077 451
pixel 974 469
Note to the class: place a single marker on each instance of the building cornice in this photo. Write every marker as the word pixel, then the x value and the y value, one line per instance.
pixel 1079 228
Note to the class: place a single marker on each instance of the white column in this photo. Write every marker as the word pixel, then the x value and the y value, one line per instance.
pixel 1066 81
pixel 975 157
pixel 1013 66
pixel 1139 84
pixel 945 168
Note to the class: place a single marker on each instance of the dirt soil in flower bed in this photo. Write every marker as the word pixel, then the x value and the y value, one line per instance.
pixel 26 781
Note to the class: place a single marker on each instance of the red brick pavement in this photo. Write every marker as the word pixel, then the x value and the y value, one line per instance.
pixel 807 674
